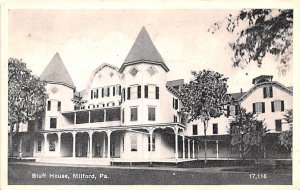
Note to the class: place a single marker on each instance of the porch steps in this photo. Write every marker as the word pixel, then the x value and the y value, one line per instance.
pixel 81 161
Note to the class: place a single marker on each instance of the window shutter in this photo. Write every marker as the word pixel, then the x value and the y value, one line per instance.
pixel 108 89
pixel 91 94
pixel 102 92
pixel 114 91
pixel 173 102
pixel 265 92
pixel 157 92
pixel 263 107
pixel 176 104
pixel 119 90
pixel 253 106
pixel 282 105
pixel 128 93
pixel 272 106
pixel 97 93
pixel 146 91
pixel 236 107
pixel 139 91
pixel 228 111
pixel 271 91
pixel 124 97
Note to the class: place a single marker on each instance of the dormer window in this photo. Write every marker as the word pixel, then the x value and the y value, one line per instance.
pixel 268 92
pixel 133 71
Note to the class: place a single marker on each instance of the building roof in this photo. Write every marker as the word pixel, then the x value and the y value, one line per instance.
pixel 173 83
pixel 237 95
pixel 56 72
pixel 266 77
pixel 144 51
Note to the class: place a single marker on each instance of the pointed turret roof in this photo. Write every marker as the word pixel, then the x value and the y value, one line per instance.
pixel 56 73
pixel 143 51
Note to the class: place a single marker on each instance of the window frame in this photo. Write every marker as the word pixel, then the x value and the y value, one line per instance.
pixel 55 119
pixel 153 116
pixel 132 116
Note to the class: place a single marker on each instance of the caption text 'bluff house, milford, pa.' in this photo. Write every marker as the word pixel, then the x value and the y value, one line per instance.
pixel 132 114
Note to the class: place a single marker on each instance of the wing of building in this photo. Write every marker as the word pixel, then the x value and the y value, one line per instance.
pixel 132 114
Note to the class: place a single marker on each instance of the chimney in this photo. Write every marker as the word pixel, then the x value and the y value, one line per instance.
pixel 241 90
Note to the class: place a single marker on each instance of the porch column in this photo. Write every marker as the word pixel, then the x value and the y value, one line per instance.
pixel 189 149
pixel 104 146
pixel 198 149
pixel 89 116
pixel 20 147
pixel 151 136
pixel 58 143
pixel 91 144
pixel 193 149
pixel 74 143
pixel 75 118
pixel 45 143
pixel 176 144
pixel 183 147
pixel 217 143
pixel 108 144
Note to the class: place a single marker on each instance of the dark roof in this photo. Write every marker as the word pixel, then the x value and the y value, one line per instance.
pixel 143 51
pixel 56 72
pixel 173 83
pixel 237 95
pixel 262 77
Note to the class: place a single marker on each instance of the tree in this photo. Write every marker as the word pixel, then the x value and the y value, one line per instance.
pixel 260 32
pixel 246 131
pixel 204 97
pixel 26 97
pixel 286 137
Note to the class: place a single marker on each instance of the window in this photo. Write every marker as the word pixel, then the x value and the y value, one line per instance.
pixel 151 113
pixel 40 123
pixel 133 92
pixel 175 119
pixel 123 115
pixel 119 90
pixel 146 91
pixel 27 148
pixel 151 91
pixel 175 103
pixel 268 92
pixel 96 93
pixel 59 106
pixel 107 90
pixel 139 91
pixel 278 125
pixel 52 146
pixel 39 145
pixel 153 143
pixel 49 106
pixel 195 129
pixel 151 71
pixel 215 128
pixel 277 105
pixel 53 122
pixel 133 142
pixel 231 110
pixel 258 107
pixel 157 92
pixel 133 72
pixel 123 144
pixel 134 114
pixel 128 93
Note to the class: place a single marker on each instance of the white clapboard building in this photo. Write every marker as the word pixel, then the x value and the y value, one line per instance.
pixel 132 114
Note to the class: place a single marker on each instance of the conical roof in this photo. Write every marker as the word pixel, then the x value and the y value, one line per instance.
pixel 56 72
pixel 143 51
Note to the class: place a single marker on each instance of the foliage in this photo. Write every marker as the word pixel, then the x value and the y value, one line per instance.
pixel 286 137
pixel 246 131
pixel 204 97
pixel 260 32
pixel 26 95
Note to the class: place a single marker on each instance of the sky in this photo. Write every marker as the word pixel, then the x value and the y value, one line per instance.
pixel 85 39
